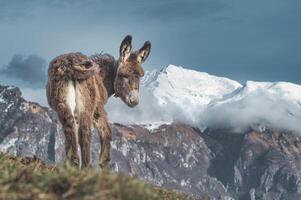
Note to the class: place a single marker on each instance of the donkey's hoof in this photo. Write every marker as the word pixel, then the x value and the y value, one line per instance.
pixel 75 161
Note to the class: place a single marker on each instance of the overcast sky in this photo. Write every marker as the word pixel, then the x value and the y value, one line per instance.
pixel 243 40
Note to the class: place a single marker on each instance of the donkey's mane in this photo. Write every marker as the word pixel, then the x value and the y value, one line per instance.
pixel 103 59
pixel 108 67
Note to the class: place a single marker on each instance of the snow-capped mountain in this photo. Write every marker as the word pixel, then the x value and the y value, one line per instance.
pixel 183 86
pixel 178 94
pixel 259 163
pixel 215 163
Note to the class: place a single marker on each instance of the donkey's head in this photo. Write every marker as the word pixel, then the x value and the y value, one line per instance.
pixel 129 71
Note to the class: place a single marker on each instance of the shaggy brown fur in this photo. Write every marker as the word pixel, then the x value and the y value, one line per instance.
pixel 78 88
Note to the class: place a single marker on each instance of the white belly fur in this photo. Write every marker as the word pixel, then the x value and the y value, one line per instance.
pixel 71 101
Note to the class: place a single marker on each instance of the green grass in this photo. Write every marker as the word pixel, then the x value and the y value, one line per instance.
pixel 27 178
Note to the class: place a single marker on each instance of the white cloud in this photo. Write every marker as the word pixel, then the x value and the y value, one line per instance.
pixel 259 109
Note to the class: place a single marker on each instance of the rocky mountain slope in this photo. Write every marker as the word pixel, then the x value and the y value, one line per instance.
pixel 254 163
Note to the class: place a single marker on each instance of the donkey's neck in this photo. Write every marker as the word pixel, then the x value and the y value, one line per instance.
pixel 109 79
pixel 108 70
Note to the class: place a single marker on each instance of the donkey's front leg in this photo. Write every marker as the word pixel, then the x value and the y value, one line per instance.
pixel 105 136
pixel 85 135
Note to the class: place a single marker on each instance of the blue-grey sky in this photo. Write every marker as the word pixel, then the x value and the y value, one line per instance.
pixel 243 40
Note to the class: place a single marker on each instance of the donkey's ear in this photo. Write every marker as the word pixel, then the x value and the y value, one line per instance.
pixel 143 53
pixel 125 47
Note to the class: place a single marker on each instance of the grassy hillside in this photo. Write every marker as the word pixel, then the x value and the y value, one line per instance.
pixel 30 179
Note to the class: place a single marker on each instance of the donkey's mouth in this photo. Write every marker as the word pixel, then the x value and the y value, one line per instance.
pixel 127 101
pixel 132 105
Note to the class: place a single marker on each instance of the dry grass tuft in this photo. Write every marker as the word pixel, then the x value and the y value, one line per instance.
pixel 29 178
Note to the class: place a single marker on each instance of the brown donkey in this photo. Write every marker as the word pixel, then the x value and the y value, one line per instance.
pixel 78 88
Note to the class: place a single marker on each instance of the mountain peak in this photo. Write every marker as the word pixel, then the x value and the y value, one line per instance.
pixel 172 67
pixel 175 83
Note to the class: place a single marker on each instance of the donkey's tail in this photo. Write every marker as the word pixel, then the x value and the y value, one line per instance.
pixel 84 69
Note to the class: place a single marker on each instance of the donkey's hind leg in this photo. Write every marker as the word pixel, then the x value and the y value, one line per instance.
pixel 71 139
pixel 85 136
pixel 105 136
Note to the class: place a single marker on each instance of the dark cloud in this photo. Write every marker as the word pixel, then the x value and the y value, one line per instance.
pixel 15 9
pixel 180 9
pixel 144 9
pixel 30 70
pixel 257 40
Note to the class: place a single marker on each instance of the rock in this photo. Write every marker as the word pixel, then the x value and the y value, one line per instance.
pixel 270 162
pixel 27 129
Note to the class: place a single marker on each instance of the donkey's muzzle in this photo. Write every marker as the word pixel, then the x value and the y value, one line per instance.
pixel 132 98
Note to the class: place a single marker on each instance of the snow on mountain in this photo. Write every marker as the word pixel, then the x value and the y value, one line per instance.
pixel 282 90
pixel 179 94
pixel 183 86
